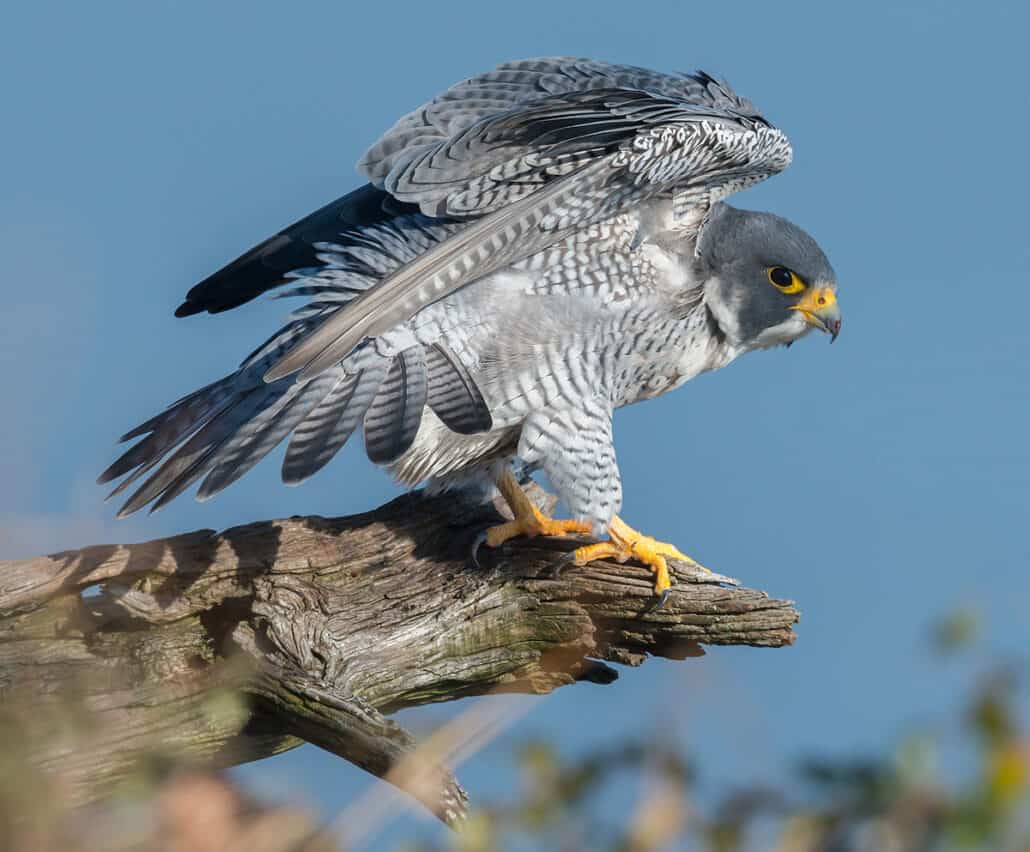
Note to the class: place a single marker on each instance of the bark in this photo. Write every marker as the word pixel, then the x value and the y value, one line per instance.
pixel 211 649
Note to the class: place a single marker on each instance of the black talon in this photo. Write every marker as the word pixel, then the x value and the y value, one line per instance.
pixel 562 563
pixel 662 598
pixel 477 543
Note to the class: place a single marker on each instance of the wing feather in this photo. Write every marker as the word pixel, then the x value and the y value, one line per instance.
pixel 267 265
pixel 225 428
pixel 392 419
pixel 187 464
pixel 452 393
pixel 483 246
pixel 330 423
pixel 259 436
pixel 169 428
pixel 629 134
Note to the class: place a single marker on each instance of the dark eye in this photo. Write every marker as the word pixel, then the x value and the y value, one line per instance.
pixel 785 280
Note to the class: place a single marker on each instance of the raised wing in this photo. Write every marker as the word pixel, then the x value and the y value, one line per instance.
pixel 221 431
pixel 432 152
pixel 533 151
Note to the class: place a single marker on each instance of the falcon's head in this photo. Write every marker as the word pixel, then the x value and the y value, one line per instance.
pixel 767 282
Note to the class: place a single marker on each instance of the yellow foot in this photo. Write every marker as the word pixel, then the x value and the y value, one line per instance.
pixel 625 543
pixel 531 525
pixel 529 520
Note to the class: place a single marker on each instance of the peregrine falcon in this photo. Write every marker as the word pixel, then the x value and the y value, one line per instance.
pixel 534 248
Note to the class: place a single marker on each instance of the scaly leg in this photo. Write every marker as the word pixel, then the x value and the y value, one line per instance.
pixel 529 520
pixel 625 543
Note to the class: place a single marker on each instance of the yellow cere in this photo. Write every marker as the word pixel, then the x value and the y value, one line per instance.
pixel 817 299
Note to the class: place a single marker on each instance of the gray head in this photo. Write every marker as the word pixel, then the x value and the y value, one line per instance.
pixel 767 281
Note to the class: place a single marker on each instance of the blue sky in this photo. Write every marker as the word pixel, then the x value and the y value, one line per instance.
pixel 878 483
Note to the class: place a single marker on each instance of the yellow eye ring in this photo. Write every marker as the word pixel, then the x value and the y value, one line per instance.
pixel 784 280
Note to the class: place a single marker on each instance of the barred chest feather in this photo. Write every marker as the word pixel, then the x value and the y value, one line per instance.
pixel 597 320
pixel 673 353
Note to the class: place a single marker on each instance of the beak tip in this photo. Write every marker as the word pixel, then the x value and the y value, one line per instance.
pixel 820 310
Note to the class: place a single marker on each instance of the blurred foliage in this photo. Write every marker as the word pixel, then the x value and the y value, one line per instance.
pixel 640 796
pixel 161 806
pixel 892 802
pixel 183 812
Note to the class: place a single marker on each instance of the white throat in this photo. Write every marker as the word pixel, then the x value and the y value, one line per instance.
pixel 725 308
pixel 791 329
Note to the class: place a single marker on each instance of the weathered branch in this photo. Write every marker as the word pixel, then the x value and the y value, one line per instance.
pixel 221 648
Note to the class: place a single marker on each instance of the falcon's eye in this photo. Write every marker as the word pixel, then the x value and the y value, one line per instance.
pixel 784 280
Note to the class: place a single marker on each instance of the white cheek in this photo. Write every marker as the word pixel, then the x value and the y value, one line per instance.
pixel 725 309
pixel 791 329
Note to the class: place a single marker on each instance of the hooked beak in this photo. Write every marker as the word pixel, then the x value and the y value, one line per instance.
pixel 820 309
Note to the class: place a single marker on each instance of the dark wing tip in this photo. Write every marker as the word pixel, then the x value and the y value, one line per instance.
pixel 187 309
pixel 265 266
